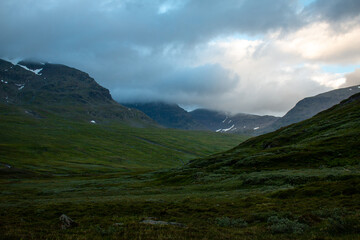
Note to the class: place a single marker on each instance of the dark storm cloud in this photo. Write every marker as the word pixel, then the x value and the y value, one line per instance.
pixel 121 42
pixel 334 10
pixel 83 25
pixel 141 49
pixel 181 84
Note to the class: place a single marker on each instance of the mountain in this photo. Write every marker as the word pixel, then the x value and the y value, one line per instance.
pixel 62 90
pixel 240 123
pixel 168 115
pixel 330 138
pixel 310 106
pixel 173 116
pixel 58 120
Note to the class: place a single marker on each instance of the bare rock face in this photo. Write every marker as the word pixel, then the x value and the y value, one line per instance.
pixel 67 222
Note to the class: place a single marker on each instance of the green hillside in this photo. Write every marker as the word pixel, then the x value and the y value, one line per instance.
pixel 56 145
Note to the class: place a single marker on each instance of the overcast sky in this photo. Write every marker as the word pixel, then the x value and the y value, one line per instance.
pixel 250 56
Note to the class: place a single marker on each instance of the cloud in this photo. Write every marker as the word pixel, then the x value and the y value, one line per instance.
pixel 237 55
pixel 186 85
pixel 320 42
pixel 81 25
pixel 333 10
pixel 352 79
pixel 269 82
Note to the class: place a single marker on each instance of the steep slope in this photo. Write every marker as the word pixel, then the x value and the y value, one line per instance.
pixel 310 106
pixel 240 123
pixel 168 115
pixel 63 90
pixel 331 138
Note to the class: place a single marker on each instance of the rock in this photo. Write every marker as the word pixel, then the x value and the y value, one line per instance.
pixel 118 224
pixel 67 222
pixel 151 221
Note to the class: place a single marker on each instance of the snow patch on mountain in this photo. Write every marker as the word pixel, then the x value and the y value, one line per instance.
pixel 226 129
pixel 20 85
pixel 36 71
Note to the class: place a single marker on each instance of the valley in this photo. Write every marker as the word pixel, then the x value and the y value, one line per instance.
pixel 120 175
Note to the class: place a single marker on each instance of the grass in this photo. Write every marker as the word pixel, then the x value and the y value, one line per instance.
pixel 208 211
pixel 109 177
pixel 55 145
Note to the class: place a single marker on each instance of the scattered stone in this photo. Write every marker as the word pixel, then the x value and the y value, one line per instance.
pixel 67 222
pixel 152 221
pixel 5 165
pixel 118 224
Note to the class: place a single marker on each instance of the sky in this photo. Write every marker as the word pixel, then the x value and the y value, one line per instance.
pixel 239 56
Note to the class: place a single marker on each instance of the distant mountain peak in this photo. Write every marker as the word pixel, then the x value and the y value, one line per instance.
pixel 310 106
pixel 220 121
pixel 168 115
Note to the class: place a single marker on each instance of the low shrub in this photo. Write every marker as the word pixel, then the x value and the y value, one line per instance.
pixel 229 222
pixel 285 225
pixel 106 231
pixel 343 225
pixel 330 212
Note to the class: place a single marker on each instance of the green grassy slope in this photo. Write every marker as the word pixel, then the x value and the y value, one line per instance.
pixel 330 138
pixel 57 145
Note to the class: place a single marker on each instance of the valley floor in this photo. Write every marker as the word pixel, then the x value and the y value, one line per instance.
pixel 283 204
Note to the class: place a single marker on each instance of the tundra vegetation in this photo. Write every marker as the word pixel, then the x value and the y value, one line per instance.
pixel 300 182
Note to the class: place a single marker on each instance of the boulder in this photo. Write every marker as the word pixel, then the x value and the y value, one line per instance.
pixel 67 222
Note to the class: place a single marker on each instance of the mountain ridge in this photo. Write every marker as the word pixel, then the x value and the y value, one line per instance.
pixel 240 123
pixel 62 89
pixel 310 106
pixel 168 115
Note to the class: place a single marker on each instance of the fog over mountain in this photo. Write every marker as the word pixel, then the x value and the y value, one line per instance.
pixel 257 57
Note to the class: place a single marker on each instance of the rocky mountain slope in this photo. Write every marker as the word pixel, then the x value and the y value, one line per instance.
pixel 173 116
pixel 61 89
pixel 310 106
pixel 240 123
pixel 169 115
